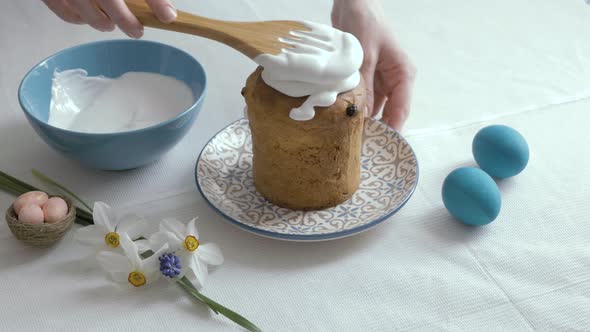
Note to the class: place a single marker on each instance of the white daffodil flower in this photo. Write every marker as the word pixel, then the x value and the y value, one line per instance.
pixel 184 241
pixel 106 232
pixel 130 267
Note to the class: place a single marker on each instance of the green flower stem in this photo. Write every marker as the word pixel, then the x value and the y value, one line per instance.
pixel 84 215
pixel 46 179
pixel 192 290
pixel 17 187
pixel 216 307
pixel 187 286
pixel 83 221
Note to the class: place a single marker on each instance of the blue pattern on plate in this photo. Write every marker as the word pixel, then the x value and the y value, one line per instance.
pixel 389 175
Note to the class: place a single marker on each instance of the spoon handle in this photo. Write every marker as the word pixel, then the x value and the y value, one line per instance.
pixel 249 38
pixel 186 23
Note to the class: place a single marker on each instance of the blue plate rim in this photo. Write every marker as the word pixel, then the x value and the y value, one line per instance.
pixel 189 109
pixel 313 237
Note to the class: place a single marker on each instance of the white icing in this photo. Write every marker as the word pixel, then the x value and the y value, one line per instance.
pixel 132 101
pixel 322 63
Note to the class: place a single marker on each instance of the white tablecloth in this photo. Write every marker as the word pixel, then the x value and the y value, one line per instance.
pixel 523 63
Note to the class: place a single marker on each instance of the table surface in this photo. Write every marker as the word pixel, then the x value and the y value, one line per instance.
pixel 523 63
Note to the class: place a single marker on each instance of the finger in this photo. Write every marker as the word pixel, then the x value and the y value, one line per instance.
pixel 163 10
pixel 397 107
pixel 395 78
pixel 395 117
pixel 63 11
pixel 92 15
pixel 379 101
pixel 368 72
pixel 119 14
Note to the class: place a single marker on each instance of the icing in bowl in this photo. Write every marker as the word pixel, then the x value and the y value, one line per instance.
pixel 112 58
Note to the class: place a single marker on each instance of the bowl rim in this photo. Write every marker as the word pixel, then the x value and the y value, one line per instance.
pixel 28 75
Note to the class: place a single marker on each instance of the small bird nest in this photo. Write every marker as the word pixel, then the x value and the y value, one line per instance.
pixel 41 235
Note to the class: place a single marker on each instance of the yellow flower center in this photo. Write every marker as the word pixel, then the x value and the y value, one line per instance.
pixel 191 243
pixel 112 239
pixel 136 279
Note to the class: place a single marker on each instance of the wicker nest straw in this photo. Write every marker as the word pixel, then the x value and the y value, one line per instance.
pixel 42 235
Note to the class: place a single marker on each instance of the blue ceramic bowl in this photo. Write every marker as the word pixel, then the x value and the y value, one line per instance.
pixel 112 58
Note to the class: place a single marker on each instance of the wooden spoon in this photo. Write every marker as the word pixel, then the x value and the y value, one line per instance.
pixel 249 38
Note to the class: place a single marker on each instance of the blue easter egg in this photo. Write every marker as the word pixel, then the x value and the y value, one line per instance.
pixel 500 151
pixel 471 196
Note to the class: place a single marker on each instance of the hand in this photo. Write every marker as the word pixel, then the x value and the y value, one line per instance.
pixel 387 70
pixel 103 15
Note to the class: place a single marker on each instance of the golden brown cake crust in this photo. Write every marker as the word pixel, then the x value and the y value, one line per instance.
pixel 304 165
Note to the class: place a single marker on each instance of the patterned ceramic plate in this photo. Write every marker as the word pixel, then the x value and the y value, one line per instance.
pixel 388 179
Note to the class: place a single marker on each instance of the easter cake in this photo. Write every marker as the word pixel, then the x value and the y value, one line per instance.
pixel 306 110
pixel 304 165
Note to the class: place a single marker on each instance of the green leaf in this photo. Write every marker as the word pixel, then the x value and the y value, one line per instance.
pixel 46 179
pixel 26 187
pixel 12 187
pixel 216 307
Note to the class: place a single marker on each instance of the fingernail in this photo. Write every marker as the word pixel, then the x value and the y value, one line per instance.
pixel 168 15
pixel 135 33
